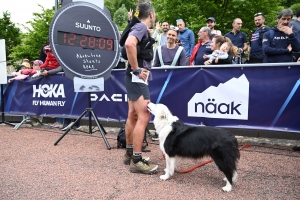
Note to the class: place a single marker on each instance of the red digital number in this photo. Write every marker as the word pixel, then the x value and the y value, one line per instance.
pixel 110 43
pixel 92 42
pixel 73 37
pixel 83 41
pixel 101 43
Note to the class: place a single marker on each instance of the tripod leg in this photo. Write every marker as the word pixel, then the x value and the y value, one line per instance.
pixel 66 132
pixel 101 129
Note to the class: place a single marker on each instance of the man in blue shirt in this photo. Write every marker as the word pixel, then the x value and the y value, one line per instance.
pixel 186 39
pixel 237 37
pixel 280 41
pixel 255 52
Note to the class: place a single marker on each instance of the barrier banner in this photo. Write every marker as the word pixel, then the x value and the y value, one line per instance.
pixel 234 97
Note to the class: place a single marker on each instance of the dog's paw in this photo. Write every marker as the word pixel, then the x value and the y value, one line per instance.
pixel 164 177
pixel 227 188
pixel 225 179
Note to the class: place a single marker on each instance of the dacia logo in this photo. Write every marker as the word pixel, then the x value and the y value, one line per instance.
pixel 48 91
pixel 113 97
pixel 229 100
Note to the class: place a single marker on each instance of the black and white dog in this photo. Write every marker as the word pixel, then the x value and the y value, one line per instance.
pixel 179 140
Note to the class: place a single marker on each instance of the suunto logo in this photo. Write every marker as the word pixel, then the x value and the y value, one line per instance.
pixel 87 26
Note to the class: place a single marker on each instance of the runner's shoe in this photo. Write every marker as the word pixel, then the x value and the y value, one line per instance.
pixel 142 167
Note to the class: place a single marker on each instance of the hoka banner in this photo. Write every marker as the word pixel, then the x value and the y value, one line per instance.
pixel 234 97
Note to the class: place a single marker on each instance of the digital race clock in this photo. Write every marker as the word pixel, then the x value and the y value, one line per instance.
pixel 84 40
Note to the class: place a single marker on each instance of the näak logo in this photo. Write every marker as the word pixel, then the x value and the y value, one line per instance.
pixel 229 100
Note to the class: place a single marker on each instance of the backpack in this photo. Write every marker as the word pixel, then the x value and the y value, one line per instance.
pixel 121 139
pixel 178 52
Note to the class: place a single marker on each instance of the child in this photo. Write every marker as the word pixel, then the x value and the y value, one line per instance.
pixel 219 54
pixel 51 66
pixel 50 62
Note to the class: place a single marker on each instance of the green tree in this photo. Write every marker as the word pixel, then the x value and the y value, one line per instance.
pixel 295 7
pixel 121 17
pixel 114 5
pixel 195 12
pixel 35 37
pixel 10 33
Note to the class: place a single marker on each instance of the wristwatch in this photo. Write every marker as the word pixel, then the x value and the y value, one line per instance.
pixel 137 72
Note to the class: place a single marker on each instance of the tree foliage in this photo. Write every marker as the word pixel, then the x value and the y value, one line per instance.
pixel 35 37
pixel 114 5
pixel 10 33
pixel 195 12
pixel 121 17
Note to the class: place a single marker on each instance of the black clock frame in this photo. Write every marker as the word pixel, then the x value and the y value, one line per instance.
pixel 74 59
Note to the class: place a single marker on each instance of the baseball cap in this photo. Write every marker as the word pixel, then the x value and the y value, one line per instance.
pixel 211 18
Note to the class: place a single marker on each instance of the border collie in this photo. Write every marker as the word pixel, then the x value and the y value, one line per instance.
pixel 177 139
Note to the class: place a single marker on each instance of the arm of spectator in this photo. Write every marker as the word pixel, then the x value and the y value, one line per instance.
pixel 267 49
pixel 55 71
pixel 182 58
pixel 245 42
pixel 223 56
pixel 156 34
pixel 228 60
pixel 29 71
pixel 294 41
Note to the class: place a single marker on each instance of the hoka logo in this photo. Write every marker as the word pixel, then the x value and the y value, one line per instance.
pixel 52 90
pixel 228 100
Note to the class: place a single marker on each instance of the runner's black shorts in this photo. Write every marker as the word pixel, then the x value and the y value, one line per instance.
pixel 135 90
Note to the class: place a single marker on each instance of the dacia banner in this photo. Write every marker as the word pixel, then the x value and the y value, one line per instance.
pixel 234 97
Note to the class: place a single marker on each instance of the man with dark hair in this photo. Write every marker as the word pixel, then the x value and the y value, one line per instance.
pixel 238 38
pixel 170 54
pixel 186 39
pixel 280 41
pixel 161 38
pixel 139 52
pixel 255 52
pixel 211 22
pixel 203 47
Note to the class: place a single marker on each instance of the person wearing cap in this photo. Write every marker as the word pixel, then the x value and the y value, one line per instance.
pixel 211 22
pixel 186 39
pixel 255 52
pixel 238 39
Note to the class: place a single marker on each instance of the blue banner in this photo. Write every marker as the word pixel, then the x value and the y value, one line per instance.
pixel 261 97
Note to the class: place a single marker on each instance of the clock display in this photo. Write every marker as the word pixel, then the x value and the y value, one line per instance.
pixel 84 41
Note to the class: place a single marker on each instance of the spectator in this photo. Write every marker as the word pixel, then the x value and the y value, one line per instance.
pixel 203 47
pixel 220 54
pixel 137 91
pixel 167 53
pixel 255 52
pixel 161 39
pixel 25 63
pixel 211 22
pixel 51 66
pixel 216 43
pixel 296 23
pixel 238 39
pixel 186 39
pixel 36 68
pixel 280 41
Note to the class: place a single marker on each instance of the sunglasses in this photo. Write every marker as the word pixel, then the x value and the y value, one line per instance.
pixel 258 14
pixel 174 28
pixel 179 20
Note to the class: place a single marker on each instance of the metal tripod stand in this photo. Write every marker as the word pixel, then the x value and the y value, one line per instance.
pixel 91 113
